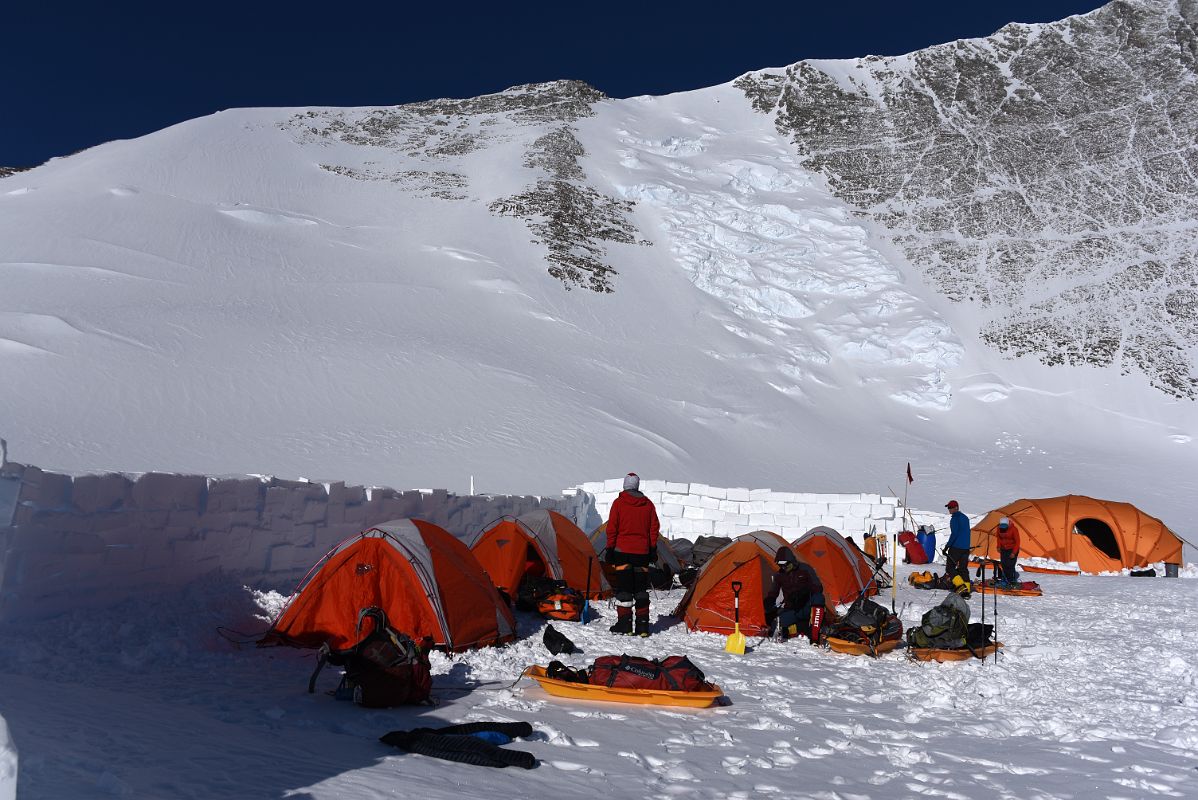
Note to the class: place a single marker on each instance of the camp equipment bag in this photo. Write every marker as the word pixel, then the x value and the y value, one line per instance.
pixel 532 590
pixel 923 579
pixel 557 642
pixel 673 673
pixel 384 669
pixel 978 635
pixel 473 743
pixel 565 604
pixel 559 671
pixel 943 627
pixel 913 550
pixel 867 622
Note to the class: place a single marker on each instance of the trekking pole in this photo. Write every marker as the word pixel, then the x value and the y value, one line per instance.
pixel 995 627
pixel 982 569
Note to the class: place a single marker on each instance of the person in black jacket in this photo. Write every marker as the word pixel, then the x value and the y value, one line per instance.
pixel 801 591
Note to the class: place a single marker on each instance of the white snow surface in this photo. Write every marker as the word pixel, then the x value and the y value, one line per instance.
pixel 145 700
pixel 215 298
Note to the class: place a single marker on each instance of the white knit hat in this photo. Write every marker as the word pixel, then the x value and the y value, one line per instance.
pixel 1004 522
pixel 632 482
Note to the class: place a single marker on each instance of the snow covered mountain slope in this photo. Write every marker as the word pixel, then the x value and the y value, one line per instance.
pixel 534 288
pixel 1043 176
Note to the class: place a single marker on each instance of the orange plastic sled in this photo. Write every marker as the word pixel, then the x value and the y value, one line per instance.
pixel 617 694
pixel 957 654
pixel 860 648
pixel 1051 570
pixel 977 589
pixel 1025 568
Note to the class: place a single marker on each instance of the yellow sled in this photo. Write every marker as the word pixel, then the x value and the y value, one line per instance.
pixel 618 694
pixel 1050 570
pixel 991 589
pixel 956 654
pixel 860 648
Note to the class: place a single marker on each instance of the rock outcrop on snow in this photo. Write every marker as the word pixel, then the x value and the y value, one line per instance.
pixel 1045 174
pixel 568 217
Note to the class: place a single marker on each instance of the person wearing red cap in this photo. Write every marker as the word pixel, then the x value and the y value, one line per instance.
pixel 956 561
pixel 632 529
pixel 1008 549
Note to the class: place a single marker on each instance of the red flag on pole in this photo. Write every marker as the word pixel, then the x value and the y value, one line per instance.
pixel 909 478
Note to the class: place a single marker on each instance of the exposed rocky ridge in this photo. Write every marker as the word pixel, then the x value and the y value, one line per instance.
pixel 570 218
pixel 1046 173
pixel 6 171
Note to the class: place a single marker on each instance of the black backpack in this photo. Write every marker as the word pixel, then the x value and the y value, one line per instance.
pixel 384 669
pixel 532 591
pixel 867 622
pixel 557 642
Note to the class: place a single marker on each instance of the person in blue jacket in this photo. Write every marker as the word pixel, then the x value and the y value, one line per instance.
pixel 957 550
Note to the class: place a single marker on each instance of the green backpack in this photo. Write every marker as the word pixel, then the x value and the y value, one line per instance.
pixel 944 627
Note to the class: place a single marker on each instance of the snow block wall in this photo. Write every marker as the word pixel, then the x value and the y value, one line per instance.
pixel 99 539
pixel 690 510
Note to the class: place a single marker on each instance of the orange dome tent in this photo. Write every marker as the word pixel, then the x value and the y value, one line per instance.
pixel 843 569
pixel 1100 535
pixel 707 604
pixel 546 539
pixel 425 580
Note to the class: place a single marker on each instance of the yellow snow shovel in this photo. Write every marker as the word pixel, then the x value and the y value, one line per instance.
pixel 736 641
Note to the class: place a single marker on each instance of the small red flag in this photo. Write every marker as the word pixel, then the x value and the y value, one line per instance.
pixel 910 479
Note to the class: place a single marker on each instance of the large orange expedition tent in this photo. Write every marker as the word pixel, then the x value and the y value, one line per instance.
pixel 553 543
pixel 708 603
pixel 1100 535
pixel 843 570
pixel 424 579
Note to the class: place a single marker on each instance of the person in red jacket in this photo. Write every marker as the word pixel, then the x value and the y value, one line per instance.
pixel 1008 549
pixel 632 529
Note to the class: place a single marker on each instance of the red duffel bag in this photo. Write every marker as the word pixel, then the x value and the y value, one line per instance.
pixel 674 673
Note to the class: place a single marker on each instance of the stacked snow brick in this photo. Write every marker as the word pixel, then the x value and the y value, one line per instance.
pixel 108 537
pixel 689 510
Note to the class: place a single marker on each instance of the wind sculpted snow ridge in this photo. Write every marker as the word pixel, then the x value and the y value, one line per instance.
pixel 1044 175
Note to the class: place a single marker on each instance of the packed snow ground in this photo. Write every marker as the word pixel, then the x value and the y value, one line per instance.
pixel 1095 695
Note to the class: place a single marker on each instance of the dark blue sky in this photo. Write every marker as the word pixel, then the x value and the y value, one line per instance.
pixel 72 77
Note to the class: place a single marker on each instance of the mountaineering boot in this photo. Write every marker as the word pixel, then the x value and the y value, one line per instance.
pixel 623 624
pixel 642 625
